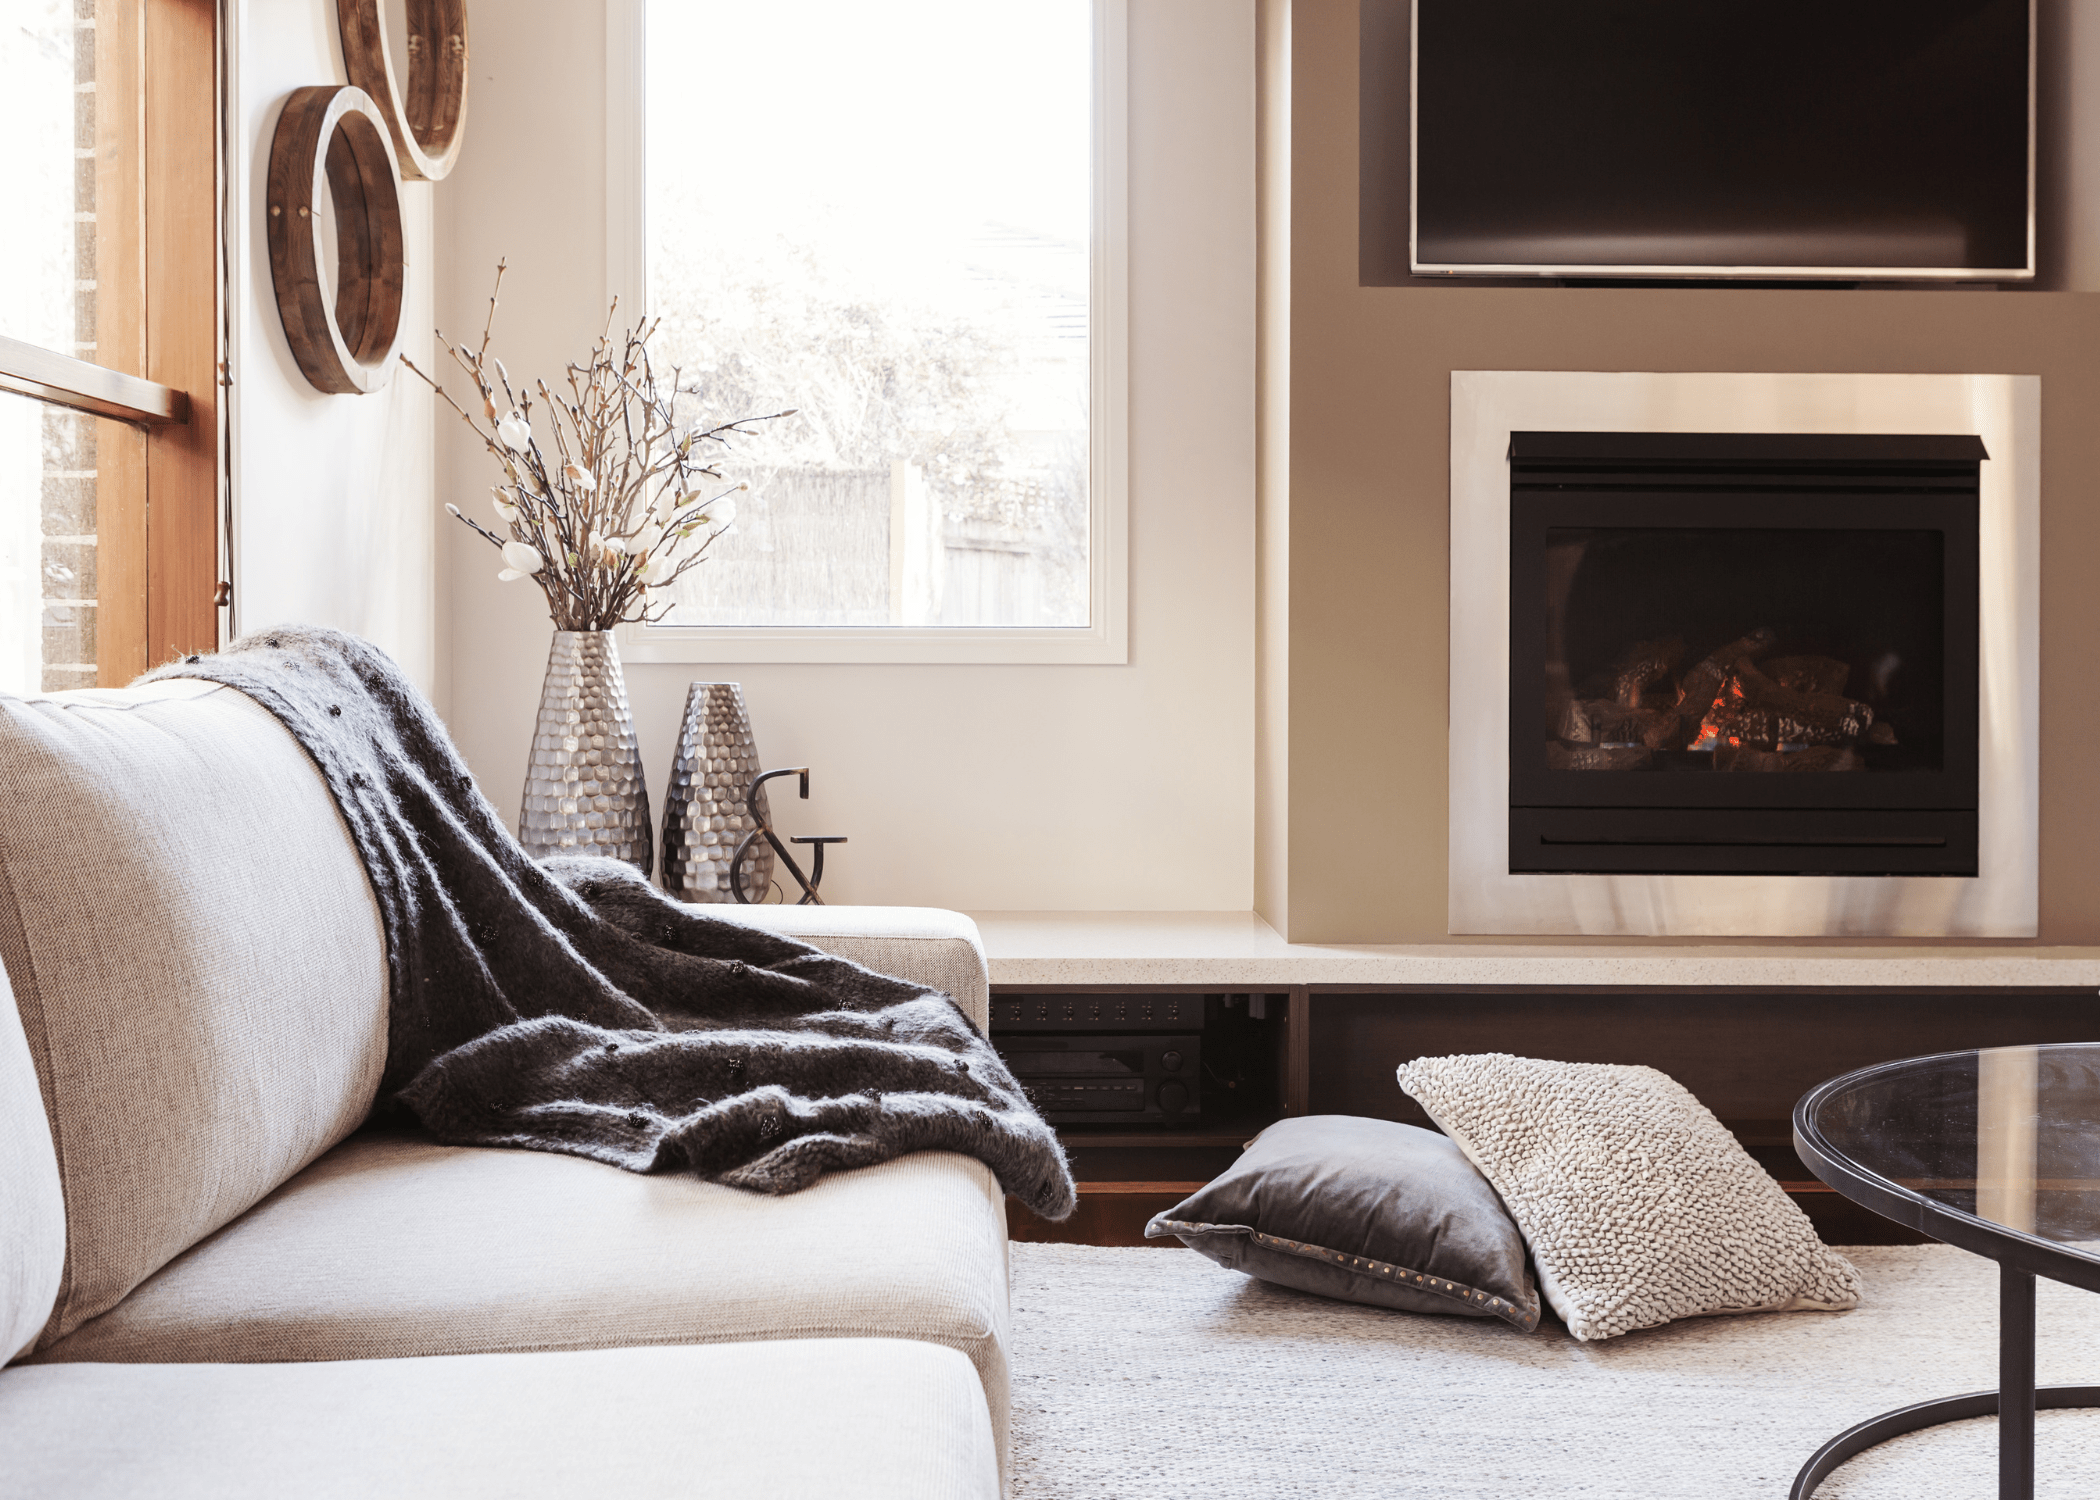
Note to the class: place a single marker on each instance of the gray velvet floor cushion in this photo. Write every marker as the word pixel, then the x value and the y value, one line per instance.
pixel 1364 1210
pixel 876 1419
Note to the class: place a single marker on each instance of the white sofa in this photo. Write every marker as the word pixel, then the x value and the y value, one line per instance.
pixel 213 1282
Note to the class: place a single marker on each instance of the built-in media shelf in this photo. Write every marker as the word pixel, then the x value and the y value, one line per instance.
pixel 1747 1049
pixel 1154 1083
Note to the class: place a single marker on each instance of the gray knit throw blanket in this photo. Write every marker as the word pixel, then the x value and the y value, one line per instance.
pixel 567 1005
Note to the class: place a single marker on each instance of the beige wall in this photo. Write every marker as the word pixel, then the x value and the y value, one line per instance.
pixel 1272 677
pixel 2067 168
pixel 1038 787
pixel 1368 505
pixel 332 495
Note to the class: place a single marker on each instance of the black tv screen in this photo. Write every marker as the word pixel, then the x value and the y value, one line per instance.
pixel 1786 138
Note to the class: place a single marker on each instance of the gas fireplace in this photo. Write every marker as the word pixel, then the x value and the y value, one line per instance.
pixel 1743 654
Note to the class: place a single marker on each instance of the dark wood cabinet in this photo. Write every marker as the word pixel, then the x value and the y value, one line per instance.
pixel 1747 1053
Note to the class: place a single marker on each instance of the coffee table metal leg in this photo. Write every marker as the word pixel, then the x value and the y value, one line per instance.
pixel 1857 1440
pixel 2015 1384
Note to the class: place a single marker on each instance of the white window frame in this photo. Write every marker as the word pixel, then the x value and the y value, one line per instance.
pixel 1105 640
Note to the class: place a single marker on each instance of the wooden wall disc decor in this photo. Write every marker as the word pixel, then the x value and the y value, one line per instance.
pixel 428 118
pixel 331 146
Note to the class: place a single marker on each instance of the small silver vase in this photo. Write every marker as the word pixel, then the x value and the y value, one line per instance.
pixel 704 813
pixel 584 790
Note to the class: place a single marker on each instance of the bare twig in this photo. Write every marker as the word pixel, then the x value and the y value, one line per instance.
pixel 618 428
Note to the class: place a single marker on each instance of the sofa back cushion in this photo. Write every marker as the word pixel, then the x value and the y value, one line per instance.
pixel 197 959
pixel 32 1207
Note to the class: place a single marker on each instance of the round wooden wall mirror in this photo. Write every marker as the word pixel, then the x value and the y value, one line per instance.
pixel 427 118
pixel 337 255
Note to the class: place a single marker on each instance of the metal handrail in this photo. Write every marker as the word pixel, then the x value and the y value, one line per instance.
pixel 46 375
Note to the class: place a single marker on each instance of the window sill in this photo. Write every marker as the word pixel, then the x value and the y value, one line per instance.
pixel 1099 645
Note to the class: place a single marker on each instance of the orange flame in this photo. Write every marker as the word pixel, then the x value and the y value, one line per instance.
pixel 1709 729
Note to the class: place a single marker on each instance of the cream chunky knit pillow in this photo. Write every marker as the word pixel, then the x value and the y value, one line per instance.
pixel 1638 1206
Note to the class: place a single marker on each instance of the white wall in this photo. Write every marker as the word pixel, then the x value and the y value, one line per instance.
pixel 332 495
pixel 989 788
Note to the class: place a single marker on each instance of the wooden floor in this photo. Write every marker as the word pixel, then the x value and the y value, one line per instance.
pixel 1115 1213
pixel 1110 1213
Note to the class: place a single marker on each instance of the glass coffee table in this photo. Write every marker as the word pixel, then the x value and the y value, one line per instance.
pixel 1996 1152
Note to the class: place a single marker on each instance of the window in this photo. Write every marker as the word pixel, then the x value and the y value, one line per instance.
pixel 110 106
pixel 903 220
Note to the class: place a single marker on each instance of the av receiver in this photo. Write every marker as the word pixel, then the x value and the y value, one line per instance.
pixel 1109 1079
pixel 1156 1013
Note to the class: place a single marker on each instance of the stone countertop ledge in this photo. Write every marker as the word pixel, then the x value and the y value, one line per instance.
pixel 1238 950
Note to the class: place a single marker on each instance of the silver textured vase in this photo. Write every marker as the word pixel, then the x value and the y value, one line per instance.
pixel 584 790
pixel 704 813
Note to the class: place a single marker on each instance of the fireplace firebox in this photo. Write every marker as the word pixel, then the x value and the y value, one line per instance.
pixel 1743 654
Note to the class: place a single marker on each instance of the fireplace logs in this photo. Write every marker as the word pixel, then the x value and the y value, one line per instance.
pixel 1758 711
pixel 1808 674
pixel 1600 721
pixel 1706 684
pixel 1644 665
pixel 1785 714
pixel 1561 757
pixel 1728 757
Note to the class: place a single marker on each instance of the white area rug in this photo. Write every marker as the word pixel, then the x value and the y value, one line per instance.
pixel 1153 1373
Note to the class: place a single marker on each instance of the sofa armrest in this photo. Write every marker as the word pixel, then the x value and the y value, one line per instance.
pixel 924 944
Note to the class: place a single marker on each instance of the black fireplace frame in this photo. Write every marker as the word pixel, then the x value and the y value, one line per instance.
pixel 1627 822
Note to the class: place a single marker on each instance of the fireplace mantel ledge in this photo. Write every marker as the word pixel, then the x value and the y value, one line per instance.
pixel 1236 950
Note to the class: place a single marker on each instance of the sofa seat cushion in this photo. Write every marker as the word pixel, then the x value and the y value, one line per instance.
pixel 881 1419
pixel 393 1246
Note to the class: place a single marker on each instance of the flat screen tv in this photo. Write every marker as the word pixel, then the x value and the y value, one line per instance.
pixel 1811 139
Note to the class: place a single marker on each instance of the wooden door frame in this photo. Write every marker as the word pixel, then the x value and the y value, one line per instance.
pixel 159 498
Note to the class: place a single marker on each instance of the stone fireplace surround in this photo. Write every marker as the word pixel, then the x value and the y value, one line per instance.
pixel 2000 902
